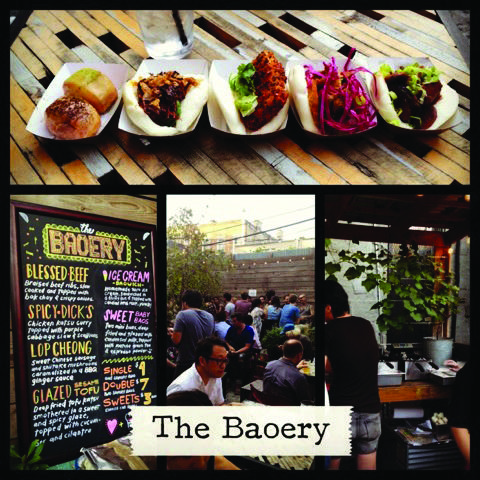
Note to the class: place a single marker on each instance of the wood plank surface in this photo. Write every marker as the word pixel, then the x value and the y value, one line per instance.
pixel 126 207
pixel 413 391
pixel 51 38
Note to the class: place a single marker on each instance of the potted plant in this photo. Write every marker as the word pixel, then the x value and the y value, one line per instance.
pixel 415 287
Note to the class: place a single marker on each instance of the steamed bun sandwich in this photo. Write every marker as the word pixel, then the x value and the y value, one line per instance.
pixel 331 100
pixel 413 96
pixel 166 103
pixel 255 98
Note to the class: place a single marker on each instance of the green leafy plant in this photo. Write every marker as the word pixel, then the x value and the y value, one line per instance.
pixel 415 287
pixel 191 265
pixel 30 460
pixel 271 341
pixel 309 331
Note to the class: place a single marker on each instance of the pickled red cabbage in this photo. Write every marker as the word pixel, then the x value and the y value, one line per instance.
pixel 342 87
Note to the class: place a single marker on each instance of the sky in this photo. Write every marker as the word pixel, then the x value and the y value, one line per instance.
pixel 272 210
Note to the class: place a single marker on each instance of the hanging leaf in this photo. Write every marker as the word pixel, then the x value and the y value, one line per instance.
pixel 411 277
pixel 331 268
pixel 417 317
pixel 408 306
pixel 369 284
pixel 385 287
pixel 351 273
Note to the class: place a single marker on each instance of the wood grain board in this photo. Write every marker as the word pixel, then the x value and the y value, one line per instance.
pixel 51 38
pixel 413 391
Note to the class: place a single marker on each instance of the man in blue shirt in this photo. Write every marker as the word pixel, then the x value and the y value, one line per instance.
pixel 290 312
pixel 239 339
pixel 282 379
pixel 239 336
pixel 221 326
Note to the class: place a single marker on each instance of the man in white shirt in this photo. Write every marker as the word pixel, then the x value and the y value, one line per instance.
pixel 206 373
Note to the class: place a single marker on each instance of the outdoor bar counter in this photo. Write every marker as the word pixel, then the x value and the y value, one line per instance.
pixel 46 40
pixel 412 390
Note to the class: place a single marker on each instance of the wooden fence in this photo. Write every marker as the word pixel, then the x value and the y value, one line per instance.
pixel 285 272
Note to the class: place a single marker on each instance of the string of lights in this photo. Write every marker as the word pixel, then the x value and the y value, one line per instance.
pixel 256 233
pixel 263 219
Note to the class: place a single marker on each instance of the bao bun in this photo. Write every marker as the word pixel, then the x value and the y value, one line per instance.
pixel 72 118
pixel 299 93
pixel 191 107
pixel 224 96
pixel 445 107
pixel 93 86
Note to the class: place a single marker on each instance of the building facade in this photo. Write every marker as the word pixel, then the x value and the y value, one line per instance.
pixel 243 236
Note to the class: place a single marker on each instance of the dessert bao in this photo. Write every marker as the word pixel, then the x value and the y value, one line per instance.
pixel 93 86
pixel 72 118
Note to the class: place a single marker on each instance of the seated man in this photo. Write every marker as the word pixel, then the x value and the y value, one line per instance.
pixel 196 462
pixel 283 380
pixel 206 373
pixel 308 349
pixel 306 310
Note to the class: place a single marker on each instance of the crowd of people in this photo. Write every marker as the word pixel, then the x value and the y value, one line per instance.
pixel 212 340
pixel 267 311
pixel 233 329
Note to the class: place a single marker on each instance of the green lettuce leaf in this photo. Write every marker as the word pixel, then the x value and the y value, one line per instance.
pixel 243 89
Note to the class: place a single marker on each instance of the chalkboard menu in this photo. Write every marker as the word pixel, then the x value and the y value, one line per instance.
pixel 84 326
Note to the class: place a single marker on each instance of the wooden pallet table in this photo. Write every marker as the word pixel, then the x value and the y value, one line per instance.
pixel 50 38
